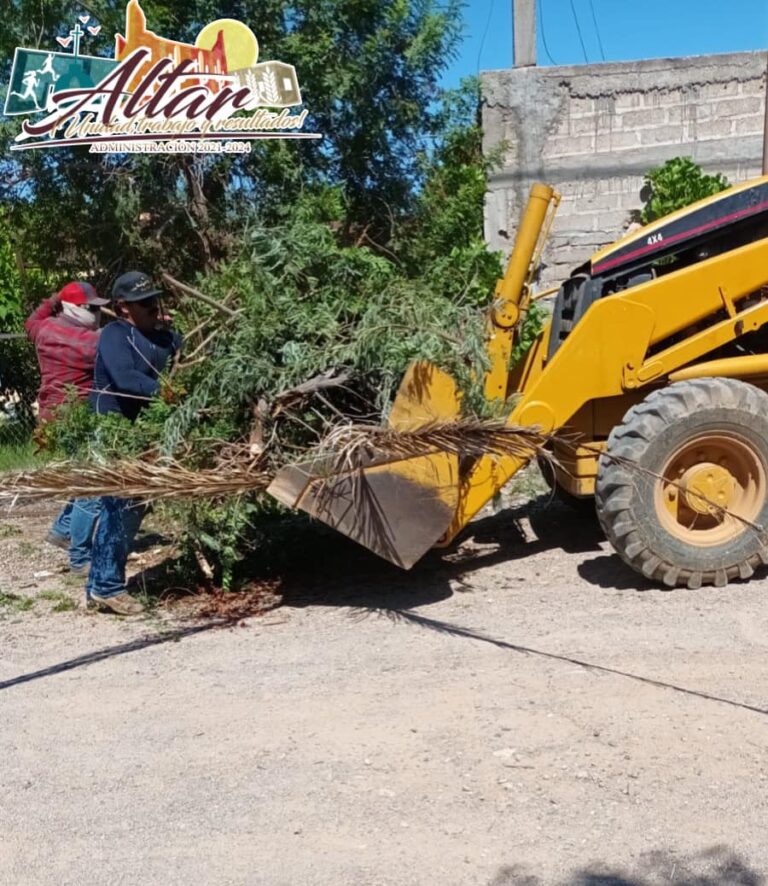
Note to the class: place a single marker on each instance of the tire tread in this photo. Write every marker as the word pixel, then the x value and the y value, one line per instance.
pixel 628 440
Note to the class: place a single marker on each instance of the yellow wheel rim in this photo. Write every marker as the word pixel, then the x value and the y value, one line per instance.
pixel 710 486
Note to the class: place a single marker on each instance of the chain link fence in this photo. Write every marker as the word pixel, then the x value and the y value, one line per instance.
pixel 19 381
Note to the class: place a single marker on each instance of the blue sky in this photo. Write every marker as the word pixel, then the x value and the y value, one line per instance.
pixel 629 29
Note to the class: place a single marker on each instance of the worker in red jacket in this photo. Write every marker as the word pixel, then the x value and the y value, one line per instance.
pixel 65 331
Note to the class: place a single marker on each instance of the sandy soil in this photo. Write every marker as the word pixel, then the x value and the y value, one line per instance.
pixel 521 710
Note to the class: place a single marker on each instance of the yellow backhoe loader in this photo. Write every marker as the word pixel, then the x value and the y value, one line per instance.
pixel 655 359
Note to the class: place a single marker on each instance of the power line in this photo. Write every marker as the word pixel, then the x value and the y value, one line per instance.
pixel 543 34
pixel 597 30
pixel 578 31
pixel 485 34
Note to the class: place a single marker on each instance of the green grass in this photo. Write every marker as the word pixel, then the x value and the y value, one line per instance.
pixel 73 581
pixel 8 530
pixel 63 602
pixel 15 602
pixel 18 457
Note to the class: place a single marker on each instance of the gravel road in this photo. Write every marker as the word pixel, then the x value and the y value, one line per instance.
pixel 521 710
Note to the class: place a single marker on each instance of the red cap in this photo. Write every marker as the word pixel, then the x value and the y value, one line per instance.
pixel 81 294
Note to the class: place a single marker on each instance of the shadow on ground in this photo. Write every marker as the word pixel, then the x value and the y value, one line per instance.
pixel 718 866
pixel 334 571
pixel 317 566
pixel 609 571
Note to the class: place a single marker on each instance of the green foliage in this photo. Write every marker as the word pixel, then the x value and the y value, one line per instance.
pixel 444 238
pixel 224 531
pixel 18 367
pixel 79 433
pixel 309 305
pixel 529 331
pixel 675 185
pixel 11 310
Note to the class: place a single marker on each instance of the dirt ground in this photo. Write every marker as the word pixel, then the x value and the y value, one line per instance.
pixel 520 710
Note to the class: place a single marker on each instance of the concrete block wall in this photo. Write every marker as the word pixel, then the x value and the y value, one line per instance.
pixel 593 131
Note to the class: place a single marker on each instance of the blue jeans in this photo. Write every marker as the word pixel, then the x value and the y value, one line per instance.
pixel 76 523
pixel 61 525
pixel 119 522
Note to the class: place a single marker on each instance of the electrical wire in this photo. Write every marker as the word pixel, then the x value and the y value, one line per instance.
pixel 485 34
pixel 543 34
pixel 578 31
pixel 597 30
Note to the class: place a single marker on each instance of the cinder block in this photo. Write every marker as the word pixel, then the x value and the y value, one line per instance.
pixel 662 98
pixel 617 141
pixel 714 128
pixel 611 222
pixel 604 202
pixel 627 101
pixel 685 113
pixel 722 89
pixel 662 135
pixel 737 107
pixel 583 125
pixel 748 125
pixel 644 118
pixel 610 185
pixel 568 146
pixel 580 106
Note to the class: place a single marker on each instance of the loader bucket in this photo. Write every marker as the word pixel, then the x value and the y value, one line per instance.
pixel 397 508
pixel 426 394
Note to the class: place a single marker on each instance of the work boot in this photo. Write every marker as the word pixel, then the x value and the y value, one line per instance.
pixel 122 604
pixel 58 541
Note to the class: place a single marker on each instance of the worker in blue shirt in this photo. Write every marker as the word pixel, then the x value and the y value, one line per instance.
pixel 133 352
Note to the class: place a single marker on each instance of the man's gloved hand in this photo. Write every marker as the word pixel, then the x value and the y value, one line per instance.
pixel 171 393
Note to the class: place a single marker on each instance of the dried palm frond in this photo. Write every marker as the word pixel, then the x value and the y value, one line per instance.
pixel 239 469
pixel 355 445
pixel 131 479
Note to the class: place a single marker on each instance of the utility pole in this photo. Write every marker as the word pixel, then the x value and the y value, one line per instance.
pixel 765 128
pixel 524 27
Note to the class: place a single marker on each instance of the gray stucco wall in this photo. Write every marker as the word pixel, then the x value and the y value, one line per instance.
pixel 593 131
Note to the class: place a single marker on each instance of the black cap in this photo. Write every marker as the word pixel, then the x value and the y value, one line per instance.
pixel 134 286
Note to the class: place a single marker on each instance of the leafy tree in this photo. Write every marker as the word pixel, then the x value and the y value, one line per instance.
pixel 675 185
pixel 18 366
pixel 369 72
pixel 445 229
pixel 10 281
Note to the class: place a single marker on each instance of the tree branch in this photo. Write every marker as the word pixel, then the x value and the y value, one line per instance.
pixel 312 386
pixel 195 293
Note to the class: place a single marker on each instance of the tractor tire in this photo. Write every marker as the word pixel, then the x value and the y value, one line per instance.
pixel 707 436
